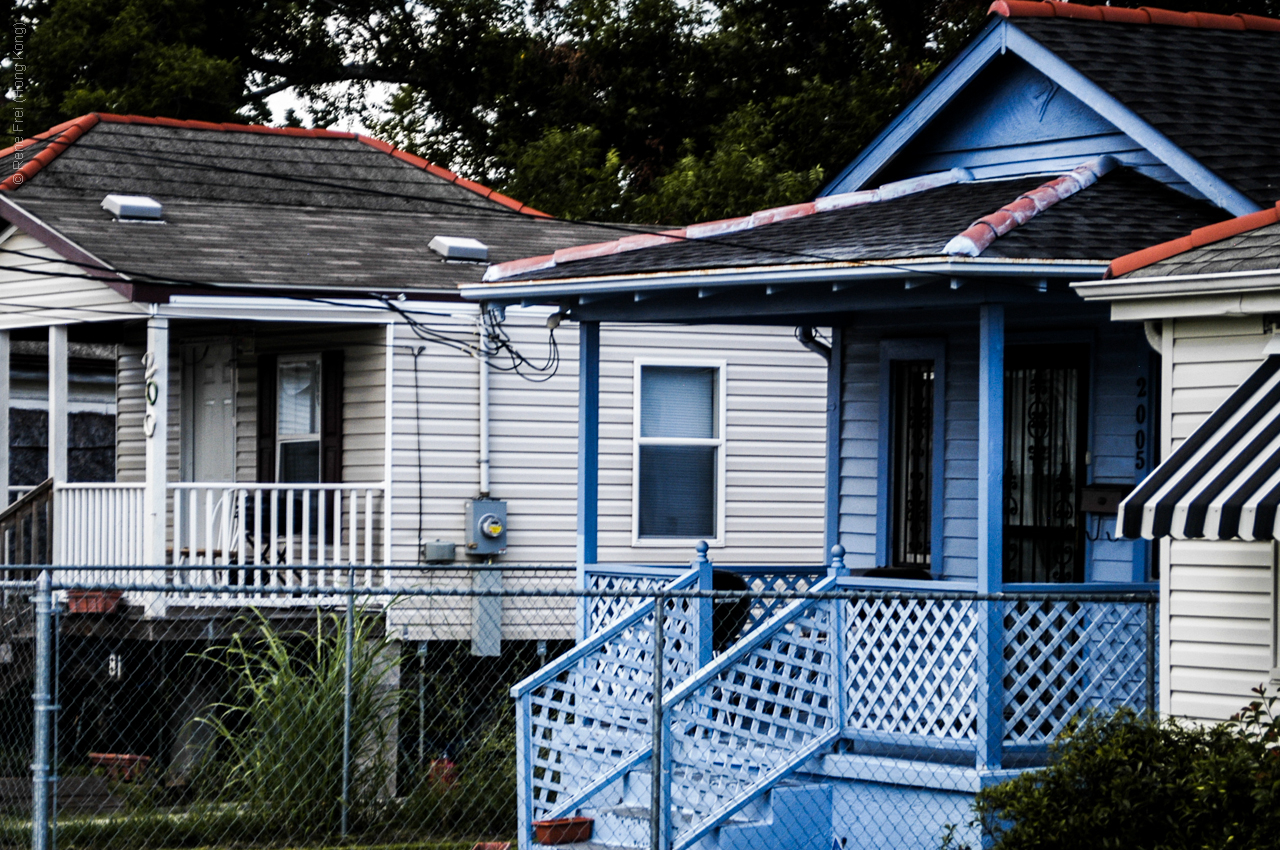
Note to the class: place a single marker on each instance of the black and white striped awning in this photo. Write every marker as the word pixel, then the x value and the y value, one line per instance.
pixel 1223 482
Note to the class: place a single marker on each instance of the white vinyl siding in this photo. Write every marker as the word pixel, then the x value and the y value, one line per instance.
pixel 35 296
pixel 1219 614
pixel 775 430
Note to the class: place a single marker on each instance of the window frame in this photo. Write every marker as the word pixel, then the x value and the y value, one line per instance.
pixel 318 436
pixel 720 408
pixel 929 348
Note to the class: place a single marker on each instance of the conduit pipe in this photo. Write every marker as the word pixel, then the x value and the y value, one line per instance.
pixel 482 360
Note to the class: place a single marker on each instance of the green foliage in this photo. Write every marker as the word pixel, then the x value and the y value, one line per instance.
pixel 281 733
pixel 1131 782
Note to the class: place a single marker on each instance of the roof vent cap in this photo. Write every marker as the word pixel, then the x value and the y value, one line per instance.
pixel 460 248
pixel 133 207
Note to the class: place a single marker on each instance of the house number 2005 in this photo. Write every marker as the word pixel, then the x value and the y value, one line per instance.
pixel 1140 435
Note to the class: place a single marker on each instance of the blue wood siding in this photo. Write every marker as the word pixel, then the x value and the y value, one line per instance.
pixel 1013 120
pixel 1120 358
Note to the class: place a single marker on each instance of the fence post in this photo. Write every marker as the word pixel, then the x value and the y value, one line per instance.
pixel 348 651
pixel 658 814
pixel 41 697
pixel 704 606
pixel 1151 657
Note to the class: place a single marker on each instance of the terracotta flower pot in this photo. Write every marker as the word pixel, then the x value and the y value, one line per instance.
pixel 93 601
pixel 562 830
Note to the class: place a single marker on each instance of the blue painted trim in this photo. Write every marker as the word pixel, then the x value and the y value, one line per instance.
pixel 706 649
pixel 910 121
pixel 1085 588
pixel 588 457
pixel 1055 68
pixel 947 586
pixel 990 534
pixel 524 772
pixel 835 403
pixel 991 448
pixel 1149 371
pixel 934 349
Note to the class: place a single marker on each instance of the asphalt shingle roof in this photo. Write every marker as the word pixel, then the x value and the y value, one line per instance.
pixel 284 210
pixel 1212 92
pixel 1123 211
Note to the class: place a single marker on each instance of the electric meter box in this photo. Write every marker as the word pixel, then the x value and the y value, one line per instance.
pixel 486 527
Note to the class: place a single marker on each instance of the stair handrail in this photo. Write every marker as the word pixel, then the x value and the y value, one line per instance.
pixel 553 669
pixel 26 504
pixel 744 647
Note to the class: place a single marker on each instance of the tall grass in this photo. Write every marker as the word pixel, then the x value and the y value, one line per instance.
pixel 280 735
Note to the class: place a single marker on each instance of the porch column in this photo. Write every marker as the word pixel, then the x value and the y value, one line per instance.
pixel 155 426
pixel 990 533
pixel 4 418
pixel 588 456
pixel 58 380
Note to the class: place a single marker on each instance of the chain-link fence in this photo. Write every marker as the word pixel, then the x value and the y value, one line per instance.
pixel 781 708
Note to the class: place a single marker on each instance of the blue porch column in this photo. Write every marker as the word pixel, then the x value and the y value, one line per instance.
pixel 990 534
pixel 588 457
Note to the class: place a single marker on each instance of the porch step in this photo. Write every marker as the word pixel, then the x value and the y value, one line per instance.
pixel 791 816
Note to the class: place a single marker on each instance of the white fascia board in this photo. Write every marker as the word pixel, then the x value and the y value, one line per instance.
pixel 265 308
pixel 917 115
pixel 810 273
pixel 1186 296
pixel 1213 187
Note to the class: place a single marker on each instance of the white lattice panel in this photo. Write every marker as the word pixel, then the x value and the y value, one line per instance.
pixel 604 611
pixel 780 582
pixel 754 717
pixel 597 713
pixel 911 667
pixel 1064 658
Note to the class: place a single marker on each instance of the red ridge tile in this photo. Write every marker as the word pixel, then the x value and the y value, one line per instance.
pixel 1198 237
pixel 66 134
pixel 1144 15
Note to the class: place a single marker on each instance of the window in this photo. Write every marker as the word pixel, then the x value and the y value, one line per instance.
pixel 1045 428
pixel 911 480
pixel 909 496
pixel 298 419
pixel 679 453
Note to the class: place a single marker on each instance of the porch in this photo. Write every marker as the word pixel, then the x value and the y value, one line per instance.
pixel 860 687
pixel 246 454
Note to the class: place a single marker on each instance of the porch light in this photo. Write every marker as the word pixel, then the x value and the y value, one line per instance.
pixel 460 248
pixel 133 207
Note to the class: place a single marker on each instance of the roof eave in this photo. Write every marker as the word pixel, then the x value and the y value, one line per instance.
pixel 834 272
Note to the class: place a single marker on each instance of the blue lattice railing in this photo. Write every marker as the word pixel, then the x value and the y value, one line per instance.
pixel 926 671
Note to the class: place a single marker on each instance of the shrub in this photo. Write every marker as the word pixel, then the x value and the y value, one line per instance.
pixel 1127 781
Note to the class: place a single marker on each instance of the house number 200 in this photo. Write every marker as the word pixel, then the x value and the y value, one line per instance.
pixel 1140 435
pixel 152 390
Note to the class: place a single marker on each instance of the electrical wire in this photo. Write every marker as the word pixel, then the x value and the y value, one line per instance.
pixel 479 211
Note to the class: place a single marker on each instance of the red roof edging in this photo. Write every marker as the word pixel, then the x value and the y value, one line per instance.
pixel 77 127
pixel 1197 238
pixel 1143 15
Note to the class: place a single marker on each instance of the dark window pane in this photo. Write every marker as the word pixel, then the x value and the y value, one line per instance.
pixel 300 462
pixel 677 491
pixel 911 389
pixel 1045 429
pixel 677 401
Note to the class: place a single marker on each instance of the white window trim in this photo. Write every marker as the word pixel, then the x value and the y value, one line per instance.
pixel 719 441
pixel 285 359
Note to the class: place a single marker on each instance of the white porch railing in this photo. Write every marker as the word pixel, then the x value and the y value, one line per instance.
pixel 98 524
pixel 280 538
pixel 277 537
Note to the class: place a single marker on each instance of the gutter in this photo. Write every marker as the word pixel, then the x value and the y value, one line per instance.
pixel 855 271
pixel 1184 285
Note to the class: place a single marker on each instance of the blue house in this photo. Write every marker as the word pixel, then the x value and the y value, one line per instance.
pixel 984 422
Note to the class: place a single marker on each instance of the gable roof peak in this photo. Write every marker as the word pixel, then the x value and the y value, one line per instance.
pixel 1144 15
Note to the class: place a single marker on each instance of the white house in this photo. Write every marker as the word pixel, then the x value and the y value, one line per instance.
pixel 299 386
pixel 1209 303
